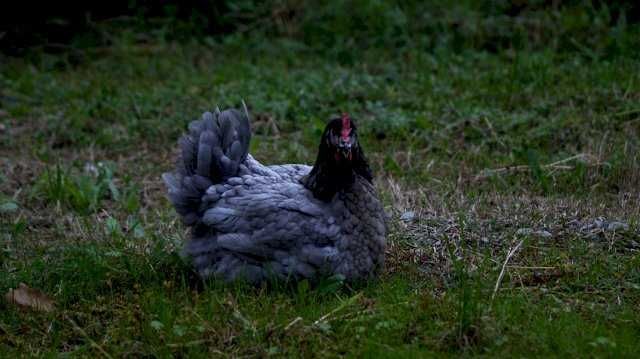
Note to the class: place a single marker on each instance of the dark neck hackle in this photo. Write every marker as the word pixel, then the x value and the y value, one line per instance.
pixel 329 176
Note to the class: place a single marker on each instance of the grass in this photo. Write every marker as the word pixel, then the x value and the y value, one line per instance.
pixel 481 145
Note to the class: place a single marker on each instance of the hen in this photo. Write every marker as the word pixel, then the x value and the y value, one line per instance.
pixel 254 222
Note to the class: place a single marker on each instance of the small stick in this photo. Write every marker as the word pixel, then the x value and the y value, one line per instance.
pixel 512 251
pixel 579 155
pixel 293 322
pixel 493 132
pixel 558 165
pixel 91 341
pixel 345 304
pixel 187 344
pixel 628 112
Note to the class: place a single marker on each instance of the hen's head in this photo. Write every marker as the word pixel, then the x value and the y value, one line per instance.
pixel 341 139
pixel 340 159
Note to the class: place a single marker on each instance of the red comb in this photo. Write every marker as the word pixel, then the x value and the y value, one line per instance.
pixel 346 126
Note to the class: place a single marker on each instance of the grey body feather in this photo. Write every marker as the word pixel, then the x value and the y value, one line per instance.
pixel 256 222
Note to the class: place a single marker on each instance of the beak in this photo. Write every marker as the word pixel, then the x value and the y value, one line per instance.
pixel 345 150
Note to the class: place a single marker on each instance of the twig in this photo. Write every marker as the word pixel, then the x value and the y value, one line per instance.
pixel 530 267
pixel 512 251
pixel 246 323
pixel 86 336
pixel 345 304
pixel 293 322
pixel 578 156
pixel 8 336
pixel 188 344
pixel 511 169
pixel 494 133
pixel 558 165
pixel 627 112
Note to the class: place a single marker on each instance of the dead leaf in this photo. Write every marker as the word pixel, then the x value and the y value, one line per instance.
pixel 24 296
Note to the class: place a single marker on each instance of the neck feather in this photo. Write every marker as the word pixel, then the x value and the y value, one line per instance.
pixel 328 177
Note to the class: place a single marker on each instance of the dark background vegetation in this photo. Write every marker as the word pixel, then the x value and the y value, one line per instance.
pixel 493 127
pixel 602 27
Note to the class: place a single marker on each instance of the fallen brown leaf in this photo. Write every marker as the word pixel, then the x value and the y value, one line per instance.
pixel 24 296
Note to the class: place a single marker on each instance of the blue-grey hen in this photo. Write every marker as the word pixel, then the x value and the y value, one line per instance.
pixel 255 222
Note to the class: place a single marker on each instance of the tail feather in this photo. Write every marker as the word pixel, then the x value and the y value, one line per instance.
pixel 211 152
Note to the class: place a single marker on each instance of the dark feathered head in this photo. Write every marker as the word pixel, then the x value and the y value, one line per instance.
pixel 340 159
